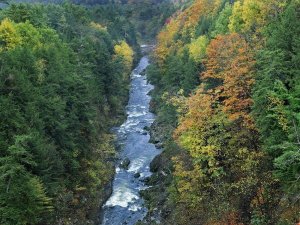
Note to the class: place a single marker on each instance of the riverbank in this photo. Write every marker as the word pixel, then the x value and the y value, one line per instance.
pixel 157 197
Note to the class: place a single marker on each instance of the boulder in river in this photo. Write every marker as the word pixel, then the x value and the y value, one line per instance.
pixel 137 175
pixel 125 164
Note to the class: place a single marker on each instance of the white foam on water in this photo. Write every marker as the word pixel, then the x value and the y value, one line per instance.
pixel 136 165
pixel 121 196
pixel 126 187
pixel 136 113
pixel 136 106
pixel 146 174
pixel 134 208
pixel 140 130
pixel 149 120
pixel 134 75
pixel 128 124
pixel 142 188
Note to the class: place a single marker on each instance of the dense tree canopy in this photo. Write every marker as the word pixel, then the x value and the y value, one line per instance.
pixel 236 127
pixel 227 92
pixel 64 83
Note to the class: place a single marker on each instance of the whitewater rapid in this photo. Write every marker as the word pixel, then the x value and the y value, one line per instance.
pixel 125 206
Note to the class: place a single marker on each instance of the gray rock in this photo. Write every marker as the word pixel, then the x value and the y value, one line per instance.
pixel 125 164
pixel 137 175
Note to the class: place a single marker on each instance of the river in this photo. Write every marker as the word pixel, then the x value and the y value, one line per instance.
pixel 125 206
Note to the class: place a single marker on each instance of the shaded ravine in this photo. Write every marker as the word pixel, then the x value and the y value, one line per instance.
pixel 125 206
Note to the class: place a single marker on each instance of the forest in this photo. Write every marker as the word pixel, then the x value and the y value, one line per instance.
pixel 64 83
pixel 227 102
pixel 227 96
pixel 65 76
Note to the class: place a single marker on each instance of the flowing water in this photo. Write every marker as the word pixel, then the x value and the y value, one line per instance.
pixel 125 206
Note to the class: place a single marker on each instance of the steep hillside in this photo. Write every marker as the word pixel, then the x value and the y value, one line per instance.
pixel 147 16
pixel 227 91
pixel 64 84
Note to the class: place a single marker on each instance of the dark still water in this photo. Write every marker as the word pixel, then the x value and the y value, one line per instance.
pixel 125 206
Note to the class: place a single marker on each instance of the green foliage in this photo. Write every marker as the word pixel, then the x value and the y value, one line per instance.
pixel 222 22
pixel 227 90
pixel 23 197
pixel 278 89
pixel 138 20
pixel 62 88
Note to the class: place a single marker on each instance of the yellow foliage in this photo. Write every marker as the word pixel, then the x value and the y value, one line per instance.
pixel 252 14
pixel 9 37
pixel 197 48
pixel 179 101
pixel 184 23
pixel 277 105
pixel 98 26
pixel 124 51
pixel 165 40
pixel 236 20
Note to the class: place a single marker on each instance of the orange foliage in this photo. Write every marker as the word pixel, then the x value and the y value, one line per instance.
pixel 200 111
pixel 165 40
pixel 230 60
pixel 182 23
pixel 198 9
